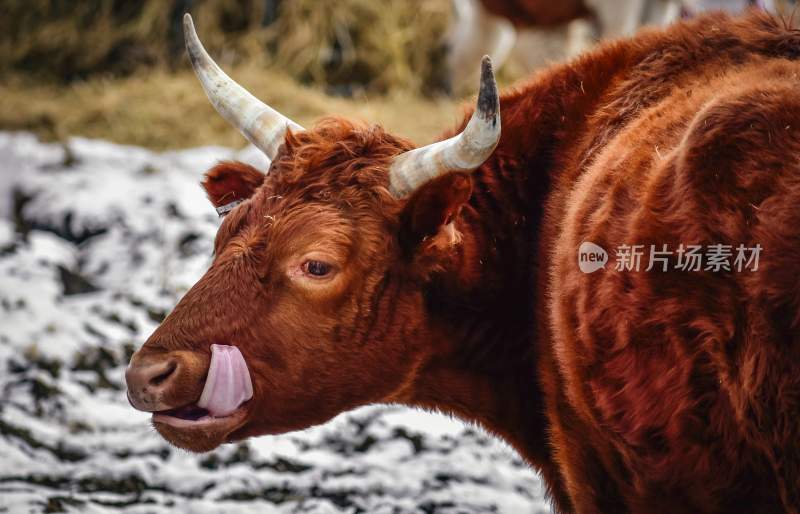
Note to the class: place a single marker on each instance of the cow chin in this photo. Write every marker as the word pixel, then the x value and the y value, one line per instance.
pixel 200 437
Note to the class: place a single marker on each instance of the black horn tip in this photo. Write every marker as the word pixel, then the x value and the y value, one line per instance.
pixel 486 65
pixel 488 102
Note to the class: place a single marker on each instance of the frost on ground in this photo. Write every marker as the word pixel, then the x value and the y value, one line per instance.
pixel 98 242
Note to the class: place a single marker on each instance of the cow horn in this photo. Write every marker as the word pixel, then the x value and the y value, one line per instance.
pixel 259 123
pixel 463 152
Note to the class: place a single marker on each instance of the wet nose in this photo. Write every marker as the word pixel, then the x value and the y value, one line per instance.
pixel 148 382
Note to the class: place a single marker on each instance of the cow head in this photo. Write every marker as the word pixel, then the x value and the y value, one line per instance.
pixel 314 302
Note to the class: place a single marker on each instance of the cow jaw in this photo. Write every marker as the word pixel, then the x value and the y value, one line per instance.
pixel 220 410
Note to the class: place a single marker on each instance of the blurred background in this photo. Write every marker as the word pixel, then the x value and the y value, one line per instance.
pixel 104 135
pixel 117 70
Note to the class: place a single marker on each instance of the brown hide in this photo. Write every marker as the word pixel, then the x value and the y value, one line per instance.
pixel 674 392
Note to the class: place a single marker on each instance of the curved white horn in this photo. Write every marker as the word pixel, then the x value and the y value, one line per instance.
pixel 259 123
pixel 463 152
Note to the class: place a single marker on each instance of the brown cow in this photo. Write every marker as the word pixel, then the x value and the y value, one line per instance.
pixel 361 271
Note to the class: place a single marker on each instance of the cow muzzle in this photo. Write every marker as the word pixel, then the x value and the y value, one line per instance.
pixel 165 380
pixel 187 386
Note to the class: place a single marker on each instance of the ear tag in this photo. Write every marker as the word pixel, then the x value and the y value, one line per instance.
pixel 228 207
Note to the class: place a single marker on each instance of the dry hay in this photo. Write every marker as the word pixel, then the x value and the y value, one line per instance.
pixel 116 70
pixel 376 45
pixel 344 45
pixel 164 110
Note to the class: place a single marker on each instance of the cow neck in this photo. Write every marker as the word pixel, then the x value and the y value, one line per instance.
pixel 489 321
pixel 482 365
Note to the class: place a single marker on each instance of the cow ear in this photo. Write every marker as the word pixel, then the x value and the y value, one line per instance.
pixel 231 181
pixel 428 222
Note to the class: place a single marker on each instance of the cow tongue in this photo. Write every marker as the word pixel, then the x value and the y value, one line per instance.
pixel 228 382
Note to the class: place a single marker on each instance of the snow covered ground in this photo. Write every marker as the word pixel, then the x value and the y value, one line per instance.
pixel 114 235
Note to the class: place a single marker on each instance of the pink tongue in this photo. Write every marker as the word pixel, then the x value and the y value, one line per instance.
pixel 228 382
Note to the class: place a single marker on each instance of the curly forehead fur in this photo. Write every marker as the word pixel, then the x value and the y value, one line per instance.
pixel 337 161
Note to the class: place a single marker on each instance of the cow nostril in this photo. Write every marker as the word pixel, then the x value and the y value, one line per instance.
pixel 149 380
pixel 161 377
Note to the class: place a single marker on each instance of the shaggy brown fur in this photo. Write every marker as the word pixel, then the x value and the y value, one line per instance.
pixel 649 392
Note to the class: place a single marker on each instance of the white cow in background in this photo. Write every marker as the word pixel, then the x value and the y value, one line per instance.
pixel 506 29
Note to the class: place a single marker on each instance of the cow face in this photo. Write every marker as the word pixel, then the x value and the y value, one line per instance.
pixel 314 301
pixel 317 281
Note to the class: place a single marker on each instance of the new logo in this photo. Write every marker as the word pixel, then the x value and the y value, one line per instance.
pixel 591 257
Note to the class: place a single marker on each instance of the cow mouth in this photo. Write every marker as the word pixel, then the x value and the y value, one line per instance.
pixel 193 416
pixel 226 391
pixel 184 417
pixel 191 412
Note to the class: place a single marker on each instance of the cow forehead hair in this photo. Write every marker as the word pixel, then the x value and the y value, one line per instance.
pixel 335 159
pixel 339 167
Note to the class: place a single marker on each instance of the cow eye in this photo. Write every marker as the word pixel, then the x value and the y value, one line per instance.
pixel 316 268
